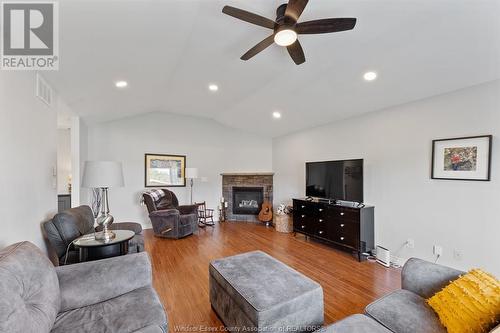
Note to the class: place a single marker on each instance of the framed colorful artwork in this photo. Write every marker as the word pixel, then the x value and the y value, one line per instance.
pixel 467 158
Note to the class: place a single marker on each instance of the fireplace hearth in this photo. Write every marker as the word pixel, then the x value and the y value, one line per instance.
pixel 247 200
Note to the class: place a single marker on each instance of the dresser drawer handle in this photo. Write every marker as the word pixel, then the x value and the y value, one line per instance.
pixel 303 226
pixel 303 216
pixel 320 232
pixel 320 220
pixel 321 209
pixel 341 238
pixel 302 206
pixel 342 214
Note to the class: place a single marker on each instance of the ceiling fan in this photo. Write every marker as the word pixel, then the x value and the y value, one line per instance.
pixel 286 28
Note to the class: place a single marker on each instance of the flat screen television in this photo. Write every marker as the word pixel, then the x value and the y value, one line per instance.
pixel 336 180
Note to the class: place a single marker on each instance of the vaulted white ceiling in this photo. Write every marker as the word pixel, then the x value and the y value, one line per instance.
pixel 170 50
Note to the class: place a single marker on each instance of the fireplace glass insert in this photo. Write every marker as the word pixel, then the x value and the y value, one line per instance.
pixel 247 200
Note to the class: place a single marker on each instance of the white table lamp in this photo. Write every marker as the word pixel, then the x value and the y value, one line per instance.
pixel 103 175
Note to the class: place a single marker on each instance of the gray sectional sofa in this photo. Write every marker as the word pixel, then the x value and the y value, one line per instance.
pixel 404 310
pixel 110 295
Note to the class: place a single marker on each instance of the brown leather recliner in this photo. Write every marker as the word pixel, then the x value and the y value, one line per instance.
pixel 169 219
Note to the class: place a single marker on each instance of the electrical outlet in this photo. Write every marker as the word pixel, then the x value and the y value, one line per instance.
pixel 438 250
pixel 410 243
pixel 457 254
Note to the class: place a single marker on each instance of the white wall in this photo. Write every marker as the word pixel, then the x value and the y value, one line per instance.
pixel 209 146
pixel 28 144
pixel 63 160
pixel 396 146
pixel 79 143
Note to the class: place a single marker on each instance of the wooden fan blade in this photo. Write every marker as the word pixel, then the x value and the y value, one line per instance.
pixel 258 48
pixel 294 9
pixel 296 52
pixel 248 17
pixel 325 26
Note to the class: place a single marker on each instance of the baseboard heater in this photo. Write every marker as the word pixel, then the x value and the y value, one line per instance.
pixel 383 256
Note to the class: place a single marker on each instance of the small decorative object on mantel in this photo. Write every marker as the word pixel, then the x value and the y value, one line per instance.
pixel 266 213
pixel 467 158
pixel 283 221
pixel 164 170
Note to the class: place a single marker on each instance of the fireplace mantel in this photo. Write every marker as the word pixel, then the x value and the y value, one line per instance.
pixel 231 180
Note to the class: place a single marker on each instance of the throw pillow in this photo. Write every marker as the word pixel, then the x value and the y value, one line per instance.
pixel 469 304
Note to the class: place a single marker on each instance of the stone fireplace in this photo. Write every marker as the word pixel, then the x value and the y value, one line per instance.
pixel 245 193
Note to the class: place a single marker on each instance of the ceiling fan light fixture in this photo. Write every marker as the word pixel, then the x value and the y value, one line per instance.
pixel 285 37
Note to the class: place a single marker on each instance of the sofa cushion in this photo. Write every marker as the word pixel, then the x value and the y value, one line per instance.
pixel 29 290
pixel 405 312
pixel 138 310
pixel 355 324
pixel 477 294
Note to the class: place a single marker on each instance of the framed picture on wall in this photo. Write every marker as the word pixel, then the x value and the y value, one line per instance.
pixel 165 170
pixel 467 158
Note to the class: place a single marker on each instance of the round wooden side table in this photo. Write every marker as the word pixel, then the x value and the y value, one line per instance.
pixel 95 249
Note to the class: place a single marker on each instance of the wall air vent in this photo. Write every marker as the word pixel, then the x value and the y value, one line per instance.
pixel 43 90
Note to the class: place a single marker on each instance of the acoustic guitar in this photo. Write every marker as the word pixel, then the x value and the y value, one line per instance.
pixel 266 212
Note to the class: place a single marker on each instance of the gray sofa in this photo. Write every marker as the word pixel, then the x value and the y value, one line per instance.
pixel 404 310
pixel 111 295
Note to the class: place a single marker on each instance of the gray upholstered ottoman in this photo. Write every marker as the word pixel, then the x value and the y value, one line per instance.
pixel 355 324
pixel 253 291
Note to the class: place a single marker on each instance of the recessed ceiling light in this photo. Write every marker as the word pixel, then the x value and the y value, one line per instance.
pixel 276 115
pixel 213 87
pixel 121 84
pixel 370 76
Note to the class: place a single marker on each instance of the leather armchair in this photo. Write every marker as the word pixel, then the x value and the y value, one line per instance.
pixel 169 219
pixel 70 224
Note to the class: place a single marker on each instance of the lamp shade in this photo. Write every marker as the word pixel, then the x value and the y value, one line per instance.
pixel 191 173
pixel 102 174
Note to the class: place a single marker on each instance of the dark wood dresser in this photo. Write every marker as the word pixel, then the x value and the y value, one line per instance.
pixel 349 227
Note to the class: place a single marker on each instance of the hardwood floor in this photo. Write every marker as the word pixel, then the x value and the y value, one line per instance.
pixel 180 271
